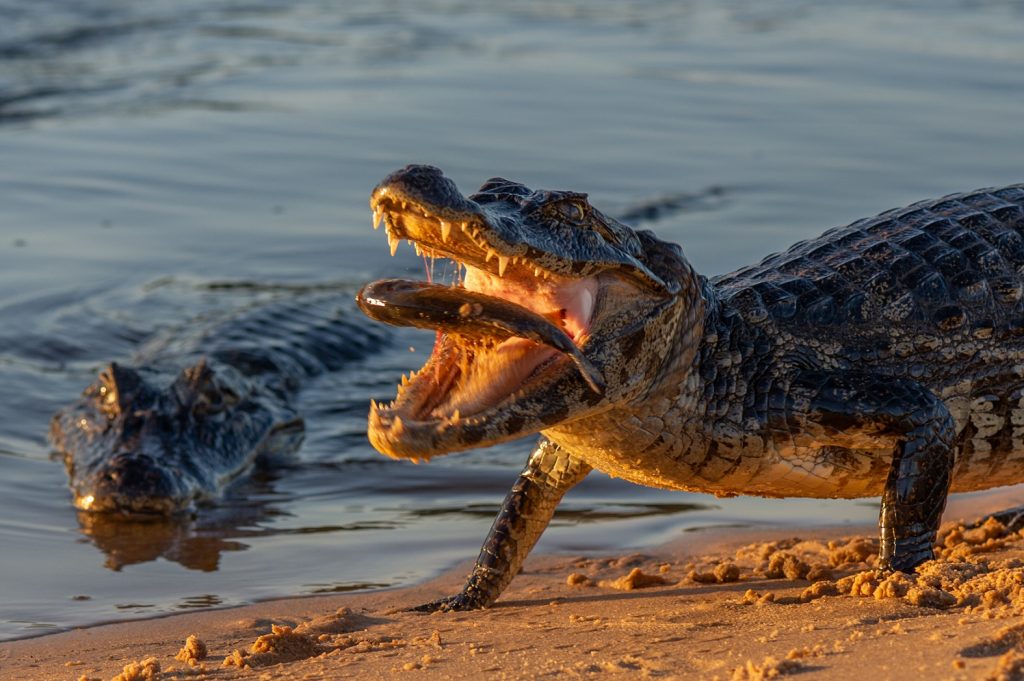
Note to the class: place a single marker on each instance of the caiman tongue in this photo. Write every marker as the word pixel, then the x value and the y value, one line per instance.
pixel 467 313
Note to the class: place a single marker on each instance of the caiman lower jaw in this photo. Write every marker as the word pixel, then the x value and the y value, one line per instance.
pixel 460 397
pixel 474 392
pixel 140 508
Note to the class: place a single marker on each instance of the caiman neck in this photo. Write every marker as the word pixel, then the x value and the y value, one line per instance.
pixel 663 355
pixel 642 439
pixel 698 310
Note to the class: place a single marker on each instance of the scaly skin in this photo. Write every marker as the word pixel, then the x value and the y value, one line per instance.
pixel 198 406
pixel 883 358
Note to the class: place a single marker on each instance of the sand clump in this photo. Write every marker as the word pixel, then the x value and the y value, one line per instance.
pixel 956 541
pixel 578 579
pixel 147 669
pixel 722 573
pixel 421 663
pixel 342 621
pixel 784 564
pixel 962 576
pixel 318 636
pixel 852 552
pixel 814 561
pixel 819 589
pixel 770 668
pixel 636 579
pixel 193 652
pixel 751 597
pixel 282 644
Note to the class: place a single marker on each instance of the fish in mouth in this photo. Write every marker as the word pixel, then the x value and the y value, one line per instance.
pixel 530 336
pixel 469 314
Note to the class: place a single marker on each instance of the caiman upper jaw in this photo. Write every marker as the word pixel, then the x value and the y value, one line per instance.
pixel 426 185
pixel 503 225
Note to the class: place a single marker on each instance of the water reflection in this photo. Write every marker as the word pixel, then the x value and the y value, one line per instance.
pixel 571 513
pixel 197 541
pixel 345 587
pixel 129 541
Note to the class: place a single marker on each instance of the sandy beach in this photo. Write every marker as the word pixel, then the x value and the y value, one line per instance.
pixel 729 604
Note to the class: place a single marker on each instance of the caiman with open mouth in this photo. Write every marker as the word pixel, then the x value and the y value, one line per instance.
pixel 885 358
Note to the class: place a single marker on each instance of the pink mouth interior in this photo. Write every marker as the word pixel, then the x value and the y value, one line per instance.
pixel 486 375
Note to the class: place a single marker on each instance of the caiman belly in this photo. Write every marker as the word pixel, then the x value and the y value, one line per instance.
pixel 647 450
pixel 760 468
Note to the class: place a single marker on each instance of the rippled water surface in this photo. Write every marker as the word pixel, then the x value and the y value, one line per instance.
pixel 165 160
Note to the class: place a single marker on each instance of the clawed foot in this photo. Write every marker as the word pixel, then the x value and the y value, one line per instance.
pixel 460 602
pixel 907 565
pixel 909 555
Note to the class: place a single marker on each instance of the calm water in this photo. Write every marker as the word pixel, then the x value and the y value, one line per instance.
pixel 152 152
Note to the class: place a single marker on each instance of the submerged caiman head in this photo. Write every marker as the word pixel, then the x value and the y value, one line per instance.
pixel 142 441
pixel 620 295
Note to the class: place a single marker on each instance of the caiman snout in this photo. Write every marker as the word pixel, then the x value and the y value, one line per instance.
pixel 425 185
pixel 135 483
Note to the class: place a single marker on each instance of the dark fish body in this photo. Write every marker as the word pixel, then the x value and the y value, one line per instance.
pixel 401 302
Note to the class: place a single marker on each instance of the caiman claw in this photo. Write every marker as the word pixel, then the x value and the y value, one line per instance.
pixel 460 602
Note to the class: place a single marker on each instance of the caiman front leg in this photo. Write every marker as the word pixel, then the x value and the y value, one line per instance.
pixel 841 409
pixel 525 513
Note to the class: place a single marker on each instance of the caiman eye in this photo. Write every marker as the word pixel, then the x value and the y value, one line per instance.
pixel 213 401
pixel 574 211
pixel 108 399
pixel 105 395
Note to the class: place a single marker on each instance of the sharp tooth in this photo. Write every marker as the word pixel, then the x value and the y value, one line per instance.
pixel 397 427
pixel 373 405
pixel 378 216
pixel 446 229
pixel 464 226
pixel 416 248
pixel 489 255
pixel 405 206
pixel 502 264
pixel 393 242
pixel 587 305
pixel 455 416
pixel 538 272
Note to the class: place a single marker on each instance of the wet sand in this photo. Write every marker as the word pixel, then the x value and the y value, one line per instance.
pixel 733 604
